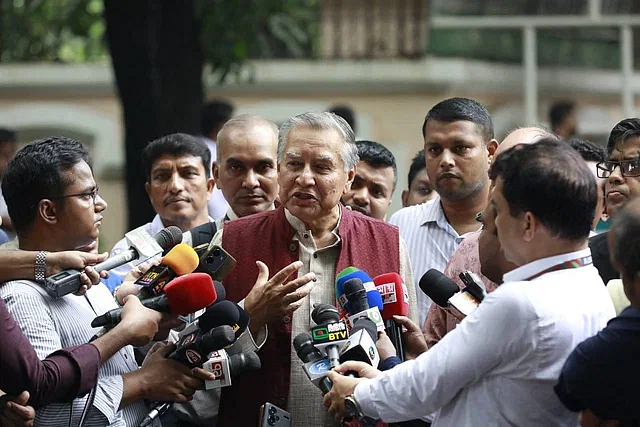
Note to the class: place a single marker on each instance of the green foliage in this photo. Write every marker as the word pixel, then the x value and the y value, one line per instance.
pixel 233 31
pixel 72 31
pixel 52 30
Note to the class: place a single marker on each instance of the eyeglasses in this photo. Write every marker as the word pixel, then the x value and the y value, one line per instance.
pixel 93 194
pixel 627 168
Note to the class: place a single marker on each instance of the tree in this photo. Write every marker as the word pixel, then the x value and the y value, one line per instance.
pixel 157 61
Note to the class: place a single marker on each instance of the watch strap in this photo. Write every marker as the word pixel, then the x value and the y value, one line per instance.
pixel 40 268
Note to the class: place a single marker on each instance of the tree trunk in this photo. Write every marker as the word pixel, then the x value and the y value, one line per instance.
pixel 157 61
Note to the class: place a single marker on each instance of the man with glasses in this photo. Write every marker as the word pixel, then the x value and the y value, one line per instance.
pixel 622 174
pixel 53 202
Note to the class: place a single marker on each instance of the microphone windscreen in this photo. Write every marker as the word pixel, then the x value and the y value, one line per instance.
pixel 303 345
pixel 244 362
pixel 168 237
pixel 190 293
pixel 356 295
pixel 394 295
pixel 220 291
pixel 438 287
pixel 217 338
pixel 223 313
pixel 373 296
pixel 182 259
pixel 324 313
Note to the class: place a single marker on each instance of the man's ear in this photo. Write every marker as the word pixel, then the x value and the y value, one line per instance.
pixel 216 176
pixel 48 211
pixel 492 146
pixel 529 226
pixel 147 188
pixel 350 177
pixel 405 197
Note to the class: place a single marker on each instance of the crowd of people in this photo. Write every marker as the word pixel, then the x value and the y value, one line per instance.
pixel 297 205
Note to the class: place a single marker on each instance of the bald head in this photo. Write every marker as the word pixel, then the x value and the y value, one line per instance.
pixel 246 124
pixel 245 169
pixel 527 135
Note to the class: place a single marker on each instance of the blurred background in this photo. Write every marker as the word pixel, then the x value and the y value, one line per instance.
pixel 116 74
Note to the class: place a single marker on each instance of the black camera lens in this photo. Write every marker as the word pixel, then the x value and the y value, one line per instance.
pixel 216 252
pixel 271 420
pixel 272 410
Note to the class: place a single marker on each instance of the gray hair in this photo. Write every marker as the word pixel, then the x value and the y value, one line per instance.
pixel 322 121
pixel 244 122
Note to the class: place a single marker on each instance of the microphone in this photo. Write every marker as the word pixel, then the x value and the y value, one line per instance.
pixel 373 298
pixel 193 349
pixel 396 302
pixel 225 367
pixel 358 299
pixel 444 292
pixel 221 313
pixel 361 345
pixel 180 260
pixel 330 334
pixel 200 235
pixel 473 284
pixel 183 295
pixel 142 245
pixel 314 364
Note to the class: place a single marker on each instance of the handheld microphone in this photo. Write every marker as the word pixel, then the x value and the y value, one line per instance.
pixel 373 298
pixel 330 334
pixel 358 298
pixel 225 367
pixel 314 364
pixel 193 349
pixel 142 245
pixel 444 292
pixel 396 302
pixel 183 295
pixel 361 345
pixel 180 260
pixel 222 313
pixel 200 235
pixel 473 284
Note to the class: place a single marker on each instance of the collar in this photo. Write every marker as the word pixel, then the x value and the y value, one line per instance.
pixel 300 227
pixel 231 215
pixel 529 270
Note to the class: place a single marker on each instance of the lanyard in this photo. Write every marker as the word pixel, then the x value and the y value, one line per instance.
pixel 573 263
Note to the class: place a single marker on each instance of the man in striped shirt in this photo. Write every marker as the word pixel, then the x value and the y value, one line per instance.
pixel 459 145
pixel 54 203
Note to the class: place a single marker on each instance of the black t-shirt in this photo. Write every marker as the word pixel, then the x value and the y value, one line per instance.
pixel 599 246
pixel 603 372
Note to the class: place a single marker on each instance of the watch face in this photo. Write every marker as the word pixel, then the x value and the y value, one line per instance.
pixel 350 407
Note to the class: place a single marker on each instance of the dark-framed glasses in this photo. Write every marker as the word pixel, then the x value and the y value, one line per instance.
pixel 93 194
pixel 629 167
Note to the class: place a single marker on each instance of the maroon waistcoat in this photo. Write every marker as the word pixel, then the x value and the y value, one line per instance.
pixel 366 243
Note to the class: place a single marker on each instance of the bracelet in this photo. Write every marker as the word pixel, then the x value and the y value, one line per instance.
pixel 40 266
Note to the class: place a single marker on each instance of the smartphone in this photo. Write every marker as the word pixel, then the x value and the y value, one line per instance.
pixel 214 261
pixel 272 416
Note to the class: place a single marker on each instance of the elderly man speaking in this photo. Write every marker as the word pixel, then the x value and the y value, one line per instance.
pixel 311 233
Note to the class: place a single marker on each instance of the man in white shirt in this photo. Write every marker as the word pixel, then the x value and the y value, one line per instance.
pixel 179 184
pixel 458 146
pixel 246 170
pixel 520 335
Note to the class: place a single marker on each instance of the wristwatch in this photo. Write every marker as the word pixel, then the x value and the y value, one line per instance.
pixel 353 408
pixel 40 268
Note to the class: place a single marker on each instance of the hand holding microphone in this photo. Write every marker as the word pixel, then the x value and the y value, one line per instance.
pixel 444 292
pixel 183 295
pixel 395 303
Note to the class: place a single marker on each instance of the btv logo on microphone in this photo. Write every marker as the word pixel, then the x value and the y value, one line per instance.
pixel 335 331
